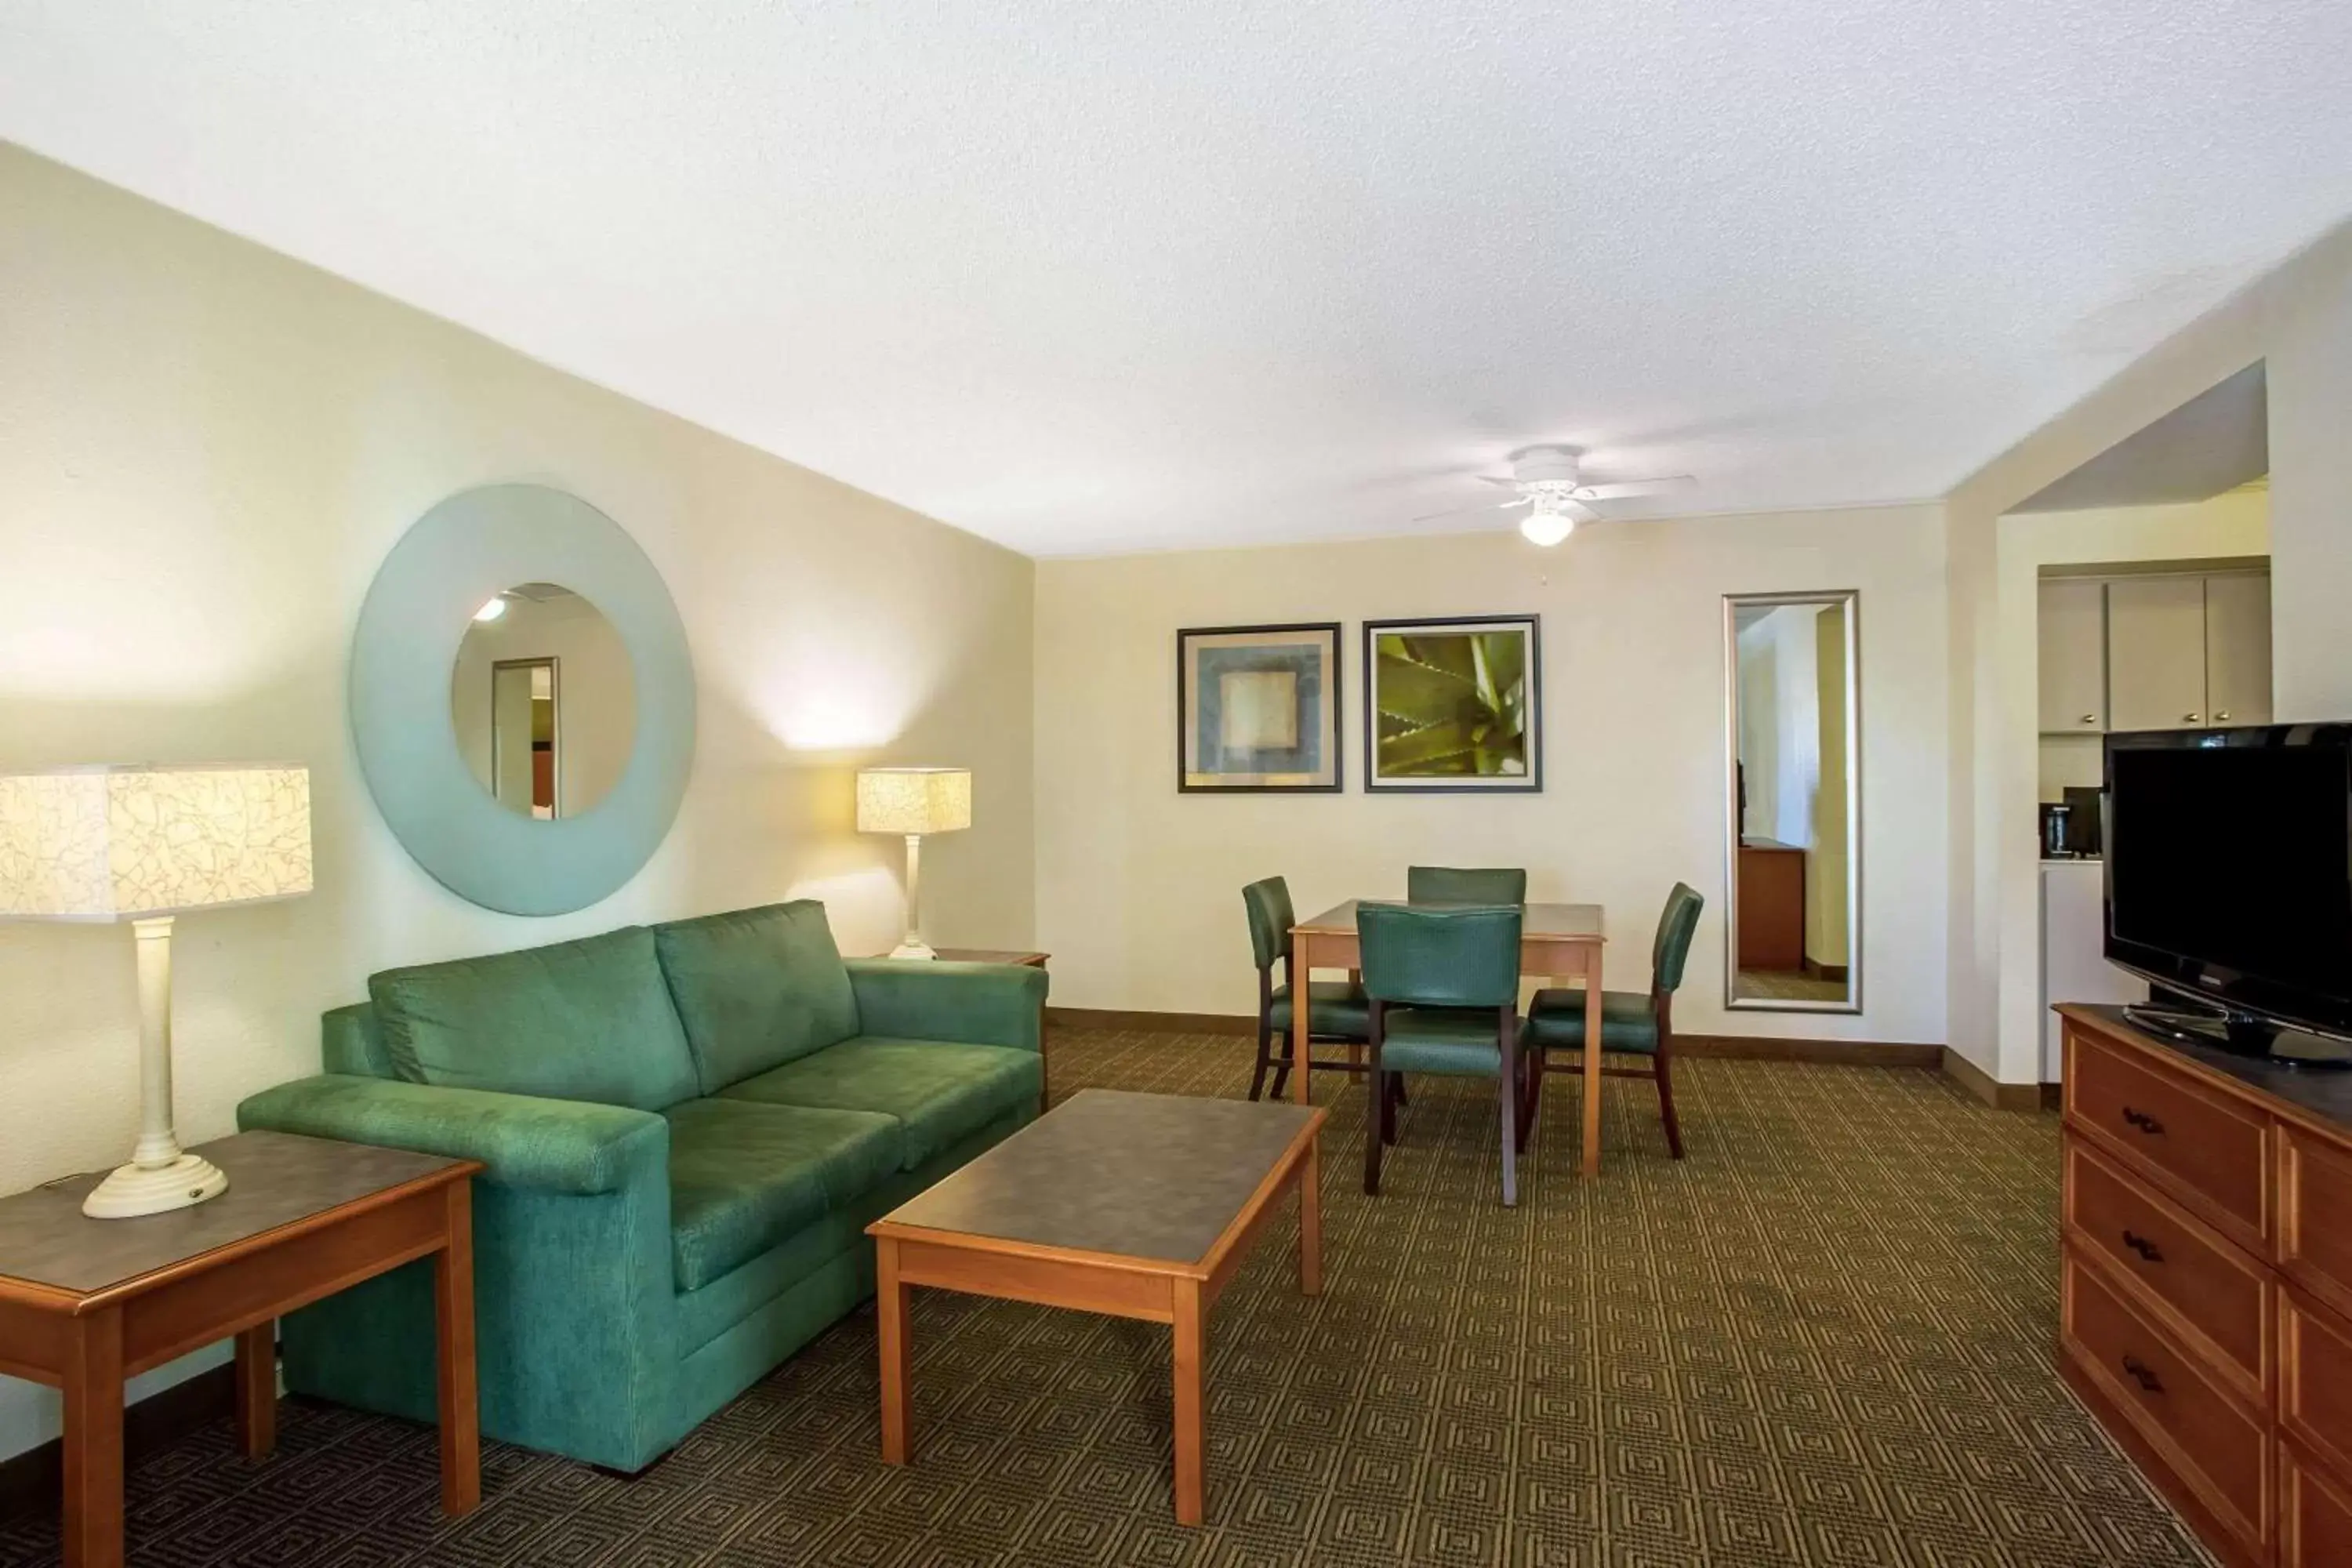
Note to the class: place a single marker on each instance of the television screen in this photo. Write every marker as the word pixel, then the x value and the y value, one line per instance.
pixel 2229 867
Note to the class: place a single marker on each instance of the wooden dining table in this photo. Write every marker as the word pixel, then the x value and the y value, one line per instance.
pixel 1557 942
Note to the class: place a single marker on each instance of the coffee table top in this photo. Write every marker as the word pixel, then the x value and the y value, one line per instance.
pixel 276 1180
pixel 1159 1177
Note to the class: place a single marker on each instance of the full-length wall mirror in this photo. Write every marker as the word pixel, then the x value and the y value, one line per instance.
pixel 1793 682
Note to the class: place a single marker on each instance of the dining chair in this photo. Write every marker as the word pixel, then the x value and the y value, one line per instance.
pixel 1632 1024
pixel 1337 1009
pixel 1465 885
pixel 1445 990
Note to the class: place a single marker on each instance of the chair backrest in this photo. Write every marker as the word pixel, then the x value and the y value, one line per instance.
pixel 1465 885
pixel 1465 956
pixel 1677 924
pixel 1270 919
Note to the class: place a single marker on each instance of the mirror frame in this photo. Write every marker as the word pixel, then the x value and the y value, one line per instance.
pixel 473 545
pixel 1851 600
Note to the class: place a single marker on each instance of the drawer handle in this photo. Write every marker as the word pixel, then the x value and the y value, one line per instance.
pixel 2144 1246
pixel 2136 1370
pixel 2144 1121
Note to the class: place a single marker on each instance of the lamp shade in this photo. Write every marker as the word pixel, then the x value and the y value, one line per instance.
pixel 131 843
pixel 914 800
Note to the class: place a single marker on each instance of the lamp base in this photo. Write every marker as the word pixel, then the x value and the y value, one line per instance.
pixel 131 1191
pixel 915 949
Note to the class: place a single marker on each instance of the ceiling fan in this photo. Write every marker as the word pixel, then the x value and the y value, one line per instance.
pixel 1551 485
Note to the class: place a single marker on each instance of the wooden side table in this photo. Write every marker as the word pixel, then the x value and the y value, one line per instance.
pixel 1027 960
pixel 86 1303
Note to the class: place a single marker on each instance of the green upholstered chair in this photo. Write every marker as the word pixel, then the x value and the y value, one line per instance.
pixel 1465 885
pixel 1632 1024
pixel 1337 1009
pixel 1444 989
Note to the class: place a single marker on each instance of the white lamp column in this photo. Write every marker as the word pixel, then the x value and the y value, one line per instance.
pixel 143 844
pixel 913 802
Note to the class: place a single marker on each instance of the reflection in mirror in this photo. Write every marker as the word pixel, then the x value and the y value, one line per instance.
pixel 543 700
pixel 1793 941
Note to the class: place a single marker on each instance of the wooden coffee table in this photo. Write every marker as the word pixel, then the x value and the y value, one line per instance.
pixel 1140 1205
pixel 86 1303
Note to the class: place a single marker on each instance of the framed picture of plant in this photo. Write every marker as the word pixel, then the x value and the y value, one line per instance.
pixel 1453 705
pixel 1257 708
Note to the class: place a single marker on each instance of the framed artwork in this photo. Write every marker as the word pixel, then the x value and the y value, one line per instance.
pixel 1257 708
pixel 1453 705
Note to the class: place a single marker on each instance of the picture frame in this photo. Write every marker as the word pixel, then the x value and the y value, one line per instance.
pixel 1258 709
pixel 1454 705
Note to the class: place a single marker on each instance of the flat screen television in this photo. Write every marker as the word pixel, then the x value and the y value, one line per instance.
pixel 2229 877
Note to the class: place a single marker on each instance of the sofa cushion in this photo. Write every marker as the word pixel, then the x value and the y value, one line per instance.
pixel 756 988
pixel 745 1176
pixel 581 1020
pixel 938 1090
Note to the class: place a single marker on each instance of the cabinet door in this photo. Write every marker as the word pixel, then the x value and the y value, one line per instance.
pixel 2237 648
pixel 2073 656
pixel 2156 653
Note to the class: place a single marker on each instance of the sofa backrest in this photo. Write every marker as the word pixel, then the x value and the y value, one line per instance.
pixel 349 1042
pixel 581 1020
pixel 756 988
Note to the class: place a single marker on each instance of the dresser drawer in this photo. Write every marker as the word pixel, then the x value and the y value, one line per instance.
pixel 2315 1398
pixel 2314 1202
pixel 2216 1448
pixel 2209 1149
pixel 2314 1515
pixel 2223 1295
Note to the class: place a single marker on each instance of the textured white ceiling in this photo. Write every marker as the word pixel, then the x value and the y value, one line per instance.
pixel 1086 276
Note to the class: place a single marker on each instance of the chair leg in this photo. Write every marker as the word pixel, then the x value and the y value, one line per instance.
pixel 1391 1092
pixel 1374 1134
pixel 1531 1075
pixel 1257 1079
pixel 1666 1103
pixel 1507 1086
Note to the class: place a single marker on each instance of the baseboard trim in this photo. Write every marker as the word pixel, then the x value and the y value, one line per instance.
pixel 1745 1048
pixel 34 1479
pixel 2000 1096
pixel 1153 1023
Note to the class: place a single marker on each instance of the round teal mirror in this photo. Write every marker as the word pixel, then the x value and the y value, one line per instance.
pixel 522 700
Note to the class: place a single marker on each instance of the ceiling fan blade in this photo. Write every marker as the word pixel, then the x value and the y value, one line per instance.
pixel 1615 488
pixel 1465 511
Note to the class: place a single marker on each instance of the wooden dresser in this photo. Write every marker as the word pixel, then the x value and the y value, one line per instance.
pixel 2206 1282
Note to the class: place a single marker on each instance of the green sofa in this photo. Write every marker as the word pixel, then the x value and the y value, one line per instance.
pixel 686 1127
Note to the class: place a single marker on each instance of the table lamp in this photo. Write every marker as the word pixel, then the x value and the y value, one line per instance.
pixel 914 801
pixel 145 845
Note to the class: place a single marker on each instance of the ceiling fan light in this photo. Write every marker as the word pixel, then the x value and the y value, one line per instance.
pixel 1547 527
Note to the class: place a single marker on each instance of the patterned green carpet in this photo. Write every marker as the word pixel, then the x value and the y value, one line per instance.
pixel 1823 1338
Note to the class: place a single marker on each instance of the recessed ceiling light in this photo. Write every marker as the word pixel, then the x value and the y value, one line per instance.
pixel 493 610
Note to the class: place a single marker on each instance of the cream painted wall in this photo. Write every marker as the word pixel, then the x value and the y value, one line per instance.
pixel 206 449
pixel 2297 320
pixel 1139 888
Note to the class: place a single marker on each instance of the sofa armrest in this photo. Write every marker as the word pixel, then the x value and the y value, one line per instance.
pixel 568 1146
pixel 977 1003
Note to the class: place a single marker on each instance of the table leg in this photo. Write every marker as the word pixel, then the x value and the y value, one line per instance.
pixel 890 1318
pixel 1592 1061
pixel 93 1443
pixel 1301 956
pixel 459 1405
pixel 1310 1220
pixel 1190 1358
pixel 257 1388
